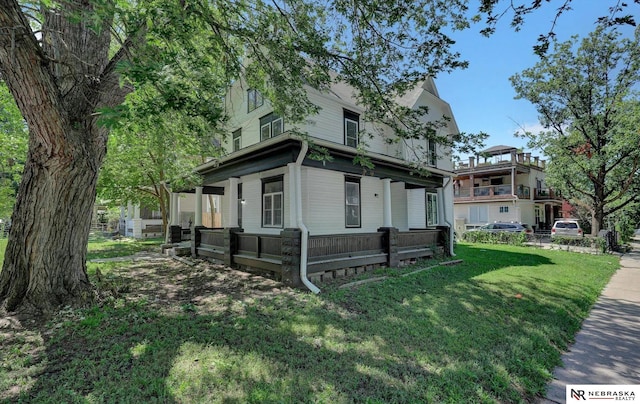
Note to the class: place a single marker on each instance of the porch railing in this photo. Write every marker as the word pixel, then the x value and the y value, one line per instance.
pixel 280 254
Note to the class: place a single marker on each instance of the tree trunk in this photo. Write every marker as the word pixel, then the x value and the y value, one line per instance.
pixel 44 263
pixel 58 85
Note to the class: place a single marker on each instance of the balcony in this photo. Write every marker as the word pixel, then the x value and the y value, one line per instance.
pixel 490 192
pixel 543 194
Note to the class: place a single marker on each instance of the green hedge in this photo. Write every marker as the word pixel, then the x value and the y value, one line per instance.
pixel 495 238
pixel 598 243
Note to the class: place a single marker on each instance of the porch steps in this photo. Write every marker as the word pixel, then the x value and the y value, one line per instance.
pixel 176 250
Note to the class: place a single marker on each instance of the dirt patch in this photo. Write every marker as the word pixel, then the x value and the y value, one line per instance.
pixel 170 284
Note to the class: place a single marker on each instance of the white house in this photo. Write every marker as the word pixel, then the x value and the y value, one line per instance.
pixel 269 185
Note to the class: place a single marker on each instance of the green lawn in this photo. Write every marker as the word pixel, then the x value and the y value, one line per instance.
pixel 491 329
pixel 3 245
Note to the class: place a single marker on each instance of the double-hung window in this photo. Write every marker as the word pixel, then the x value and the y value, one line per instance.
pixel 272 202
pixel 351 128
pixel 432 209
pixel 254 99
pixel 237 140
pixel 432 157
pixel 270 126
pixel 240 203
pixel 352 202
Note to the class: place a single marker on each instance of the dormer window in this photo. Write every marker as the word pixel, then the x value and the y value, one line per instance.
pixel 351 128
pixel 270 126
pixel 255 99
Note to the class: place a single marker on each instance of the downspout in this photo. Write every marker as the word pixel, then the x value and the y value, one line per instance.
pixel 444 215
pixel 305 232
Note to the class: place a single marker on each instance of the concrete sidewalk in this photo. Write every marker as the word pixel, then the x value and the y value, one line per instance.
pixel 607 348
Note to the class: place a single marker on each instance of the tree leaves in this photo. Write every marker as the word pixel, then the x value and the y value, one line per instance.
pixel 586 94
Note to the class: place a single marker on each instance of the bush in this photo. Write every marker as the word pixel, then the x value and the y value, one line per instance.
pixel 495 238
pixel 598 243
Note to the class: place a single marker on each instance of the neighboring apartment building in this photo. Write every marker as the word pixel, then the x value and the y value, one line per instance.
pixel 268 185
pixel 504 185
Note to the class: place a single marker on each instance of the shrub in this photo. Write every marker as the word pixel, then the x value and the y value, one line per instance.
pixel 598 243
pixel 495 238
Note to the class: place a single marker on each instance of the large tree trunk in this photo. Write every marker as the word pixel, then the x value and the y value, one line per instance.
pixel 44 263
pixel 58 86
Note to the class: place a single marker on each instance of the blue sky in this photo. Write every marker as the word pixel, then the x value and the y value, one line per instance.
pixel 481 96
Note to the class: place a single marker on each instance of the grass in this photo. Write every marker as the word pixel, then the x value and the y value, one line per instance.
pixel 491 329
pixel 3 245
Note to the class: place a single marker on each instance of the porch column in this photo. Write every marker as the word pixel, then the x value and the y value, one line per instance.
pixel 129 210
pixel 513 181
pixel 136 222
pixel 233 203
pixel 122 223
pixel 386 200
pixel 293 213
pixel 198 218
pixel 174 209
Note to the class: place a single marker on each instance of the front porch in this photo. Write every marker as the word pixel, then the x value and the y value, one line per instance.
pixel 328 256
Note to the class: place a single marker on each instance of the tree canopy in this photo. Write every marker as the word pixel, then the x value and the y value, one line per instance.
pixel 587 95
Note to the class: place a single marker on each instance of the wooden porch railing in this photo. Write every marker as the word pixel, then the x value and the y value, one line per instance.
pixel 339 251
pixel 281 253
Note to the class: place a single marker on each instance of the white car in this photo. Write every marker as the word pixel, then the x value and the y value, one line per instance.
pixel 566 228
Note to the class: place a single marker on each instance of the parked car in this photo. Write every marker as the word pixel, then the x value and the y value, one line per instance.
pixel 506 227
pixel 566 228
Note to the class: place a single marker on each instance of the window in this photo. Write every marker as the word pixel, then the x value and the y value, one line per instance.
pixel 237 140
pixel 270 126
pixel 272 202
pixel 504 209
pixel 432 157
pixel 478 214
pixel 352 202
pixel 240 203
pixel 432 209
pixel 255 99
pixel 351 128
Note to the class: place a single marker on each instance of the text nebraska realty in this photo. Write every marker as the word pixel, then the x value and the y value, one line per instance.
pixel 603 394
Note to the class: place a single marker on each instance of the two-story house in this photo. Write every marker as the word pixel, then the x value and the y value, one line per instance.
pixel 504 185
pixel 302 218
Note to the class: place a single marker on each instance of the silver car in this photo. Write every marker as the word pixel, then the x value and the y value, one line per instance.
pixel 566 228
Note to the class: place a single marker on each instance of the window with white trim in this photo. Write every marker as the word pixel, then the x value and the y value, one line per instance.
pixel 272 202
pixel 240 203
pixel 237 139
pixel 432 157
pixel 351 128
pixel 504 209
pixel 352 201
pixel 432 209
pixel 270 126
pixel 254 99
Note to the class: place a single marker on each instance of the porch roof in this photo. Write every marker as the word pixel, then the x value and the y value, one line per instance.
pixel 284 149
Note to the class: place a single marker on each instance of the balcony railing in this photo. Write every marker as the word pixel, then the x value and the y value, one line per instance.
pixel 546 193
pixel 493 191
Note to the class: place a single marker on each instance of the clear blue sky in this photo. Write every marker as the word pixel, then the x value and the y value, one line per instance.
pixel 481 96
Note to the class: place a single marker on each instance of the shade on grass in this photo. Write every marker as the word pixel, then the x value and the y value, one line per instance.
pixel 488 330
